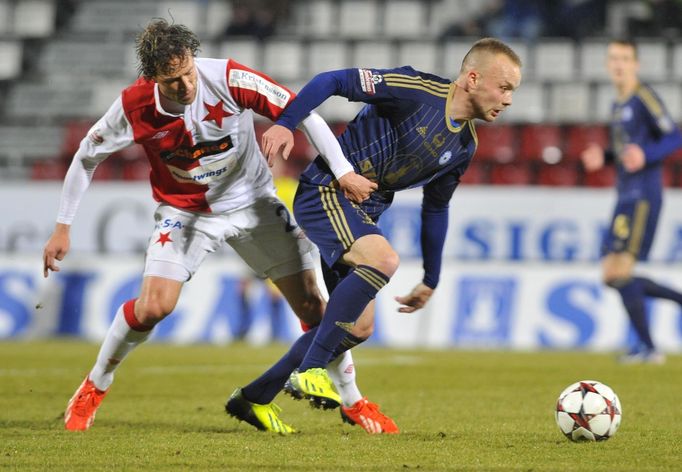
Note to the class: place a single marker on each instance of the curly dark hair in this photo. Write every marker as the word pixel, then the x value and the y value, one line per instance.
pixel 159 43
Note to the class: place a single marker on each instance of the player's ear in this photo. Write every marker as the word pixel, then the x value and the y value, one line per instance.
pixel 473 78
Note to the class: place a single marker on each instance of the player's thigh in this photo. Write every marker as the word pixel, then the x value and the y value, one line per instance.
pixel 180 242
pixel 303 295
pixel 632 228
pixel 331 221
pixel 618 266
pixel 270 241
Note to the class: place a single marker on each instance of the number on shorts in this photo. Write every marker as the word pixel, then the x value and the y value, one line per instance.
pixel 283 213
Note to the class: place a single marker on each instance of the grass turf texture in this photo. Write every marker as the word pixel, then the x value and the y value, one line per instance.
pixel 457 411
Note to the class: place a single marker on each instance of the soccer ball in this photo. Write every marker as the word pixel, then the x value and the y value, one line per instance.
pixel 588 411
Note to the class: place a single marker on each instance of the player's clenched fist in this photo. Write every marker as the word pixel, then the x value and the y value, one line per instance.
pixel 593 157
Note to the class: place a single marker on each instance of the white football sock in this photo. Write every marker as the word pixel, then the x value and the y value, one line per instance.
pixel 119 341
pixel 342 372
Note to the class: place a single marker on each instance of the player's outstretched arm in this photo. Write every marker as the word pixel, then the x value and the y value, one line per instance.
pixel 416 299
pixel 56 248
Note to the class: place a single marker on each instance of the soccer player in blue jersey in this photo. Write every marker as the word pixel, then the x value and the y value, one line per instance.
pixel 642 136
pixel 416 130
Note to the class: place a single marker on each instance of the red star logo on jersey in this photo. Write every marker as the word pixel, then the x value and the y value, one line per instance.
pixel 164 238
pixel 216 113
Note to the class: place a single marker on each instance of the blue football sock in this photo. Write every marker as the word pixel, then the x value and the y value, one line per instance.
pixel 266 387
pixel 632 293
pixel 346 303
pixel 652 289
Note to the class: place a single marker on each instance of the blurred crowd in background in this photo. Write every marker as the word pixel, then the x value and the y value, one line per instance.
pixel 62 62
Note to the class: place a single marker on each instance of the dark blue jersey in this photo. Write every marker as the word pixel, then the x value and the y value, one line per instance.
pixel 402 138
pixel 642 119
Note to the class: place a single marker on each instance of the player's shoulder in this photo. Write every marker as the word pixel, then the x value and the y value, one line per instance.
pixel 138 95
pixel 416 82
pixel 649 99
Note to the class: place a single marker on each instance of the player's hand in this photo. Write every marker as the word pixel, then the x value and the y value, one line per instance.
pixel 415 300
pixel 56 248
pixel 277 142
pixel 633 158
pixel 593 158
pixel 356 187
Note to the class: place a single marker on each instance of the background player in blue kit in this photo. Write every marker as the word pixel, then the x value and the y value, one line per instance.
pixel 415 131
pixel 642 135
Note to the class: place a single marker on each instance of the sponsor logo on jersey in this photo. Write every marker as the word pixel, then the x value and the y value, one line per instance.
pixel 160 135
pixel 367 81
pixel 245 79
pixel 198 151
pixel 445 157
pixel 172 224
pixel 205 174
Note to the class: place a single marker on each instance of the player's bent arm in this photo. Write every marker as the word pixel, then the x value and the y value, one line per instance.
pixel 111 133
pixel 656 151
pixel 315 92
pixel 318 133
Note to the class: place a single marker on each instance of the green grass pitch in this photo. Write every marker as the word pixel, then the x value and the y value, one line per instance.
pixel 457 410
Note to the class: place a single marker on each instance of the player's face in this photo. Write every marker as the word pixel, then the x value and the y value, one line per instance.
pixel 621 63
pixel 494 85
pixel 179 84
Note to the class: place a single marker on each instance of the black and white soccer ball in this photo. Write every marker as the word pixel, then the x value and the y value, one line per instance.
pixel 588 411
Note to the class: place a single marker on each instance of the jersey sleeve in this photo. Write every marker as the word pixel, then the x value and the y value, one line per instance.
pixel 357 85
pixel 667 136
pixel 256 91
pixel 434 216
pixel 110 134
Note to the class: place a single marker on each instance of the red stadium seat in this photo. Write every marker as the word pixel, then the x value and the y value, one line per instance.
pixel 74 132
pixel 52 169
pixel 541 142
pixel 496 143
pixel 136 169
pixel 579 137
pixel 109 169
pixel 675 157
pixel 558 175
pixel 604 177
pixel 511 174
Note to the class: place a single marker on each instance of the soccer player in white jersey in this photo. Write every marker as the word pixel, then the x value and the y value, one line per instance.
pixel 193 118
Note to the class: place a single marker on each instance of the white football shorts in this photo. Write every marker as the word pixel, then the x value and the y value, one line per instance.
pixel 264 234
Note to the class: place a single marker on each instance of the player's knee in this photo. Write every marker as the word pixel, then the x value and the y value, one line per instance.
pixel 616 276
pixel 150 312
pixel 310 309
pixel 386 261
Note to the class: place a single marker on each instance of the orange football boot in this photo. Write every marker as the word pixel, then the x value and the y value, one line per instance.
pixel 367 415
pixel 80 412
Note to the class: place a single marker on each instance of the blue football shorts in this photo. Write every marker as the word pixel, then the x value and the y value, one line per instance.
pixel 632 228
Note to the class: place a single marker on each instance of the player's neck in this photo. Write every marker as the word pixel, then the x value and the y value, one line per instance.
pixel 459 105
pixel 627 88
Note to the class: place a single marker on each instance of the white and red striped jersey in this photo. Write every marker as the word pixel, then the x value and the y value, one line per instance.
pixel 204 158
